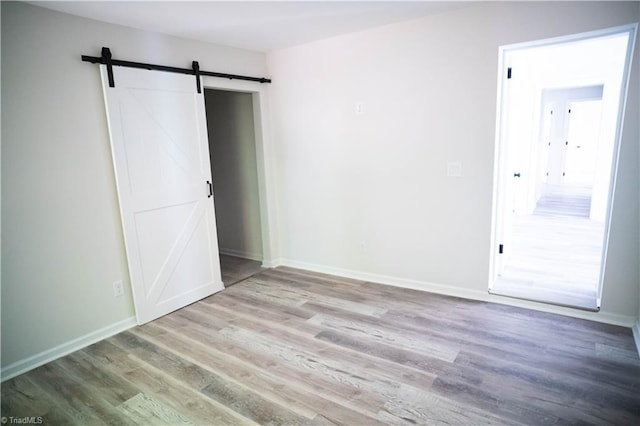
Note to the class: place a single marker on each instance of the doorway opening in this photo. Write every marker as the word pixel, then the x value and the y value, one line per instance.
pixel 560 109
pixel 232 147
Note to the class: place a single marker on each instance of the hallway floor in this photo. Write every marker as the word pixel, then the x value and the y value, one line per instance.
pixel 235 269
pixel 555 253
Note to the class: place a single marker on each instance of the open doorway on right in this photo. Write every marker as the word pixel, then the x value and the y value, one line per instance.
pixel 561 105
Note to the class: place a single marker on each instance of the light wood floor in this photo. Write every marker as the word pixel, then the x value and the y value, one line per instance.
pixel 288 347
pixel 235 269
pixel 556 252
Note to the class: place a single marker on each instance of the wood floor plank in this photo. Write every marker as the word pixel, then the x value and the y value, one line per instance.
pixel 255 306
pixel 111 388
pixel 143 409
pixel 302 276
pixel 408 340
pixel 21 398
pixel 298 293
pixel 288 335
pixel 163 387
pixel 366 390
pixel 283 299
pixel 230 369
pixel 412 407
pixel 293 347
pixel 383 351
pixel 239 398
pixel 71 397
pixel 326 397
pixel 533 390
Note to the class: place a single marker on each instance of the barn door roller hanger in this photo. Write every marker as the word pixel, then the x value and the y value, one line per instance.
pixel 195 70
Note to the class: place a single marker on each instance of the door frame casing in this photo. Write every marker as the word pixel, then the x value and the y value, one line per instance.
pixel 265 161
pixel 501 142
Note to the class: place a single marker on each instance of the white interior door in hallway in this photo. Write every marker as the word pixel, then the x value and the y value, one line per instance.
pixel 160 150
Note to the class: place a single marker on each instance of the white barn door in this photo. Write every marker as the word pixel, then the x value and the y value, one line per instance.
pixel 160 150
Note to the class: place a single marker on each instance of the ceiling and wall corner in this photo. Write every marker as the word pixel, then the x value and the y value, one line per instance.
pixel 254 25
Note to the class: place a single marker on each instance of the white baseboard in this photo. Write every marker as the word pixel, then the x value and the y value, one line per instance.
pixel 273 263
pixel 636 335
pixel 22 366
pixel 449 290
pixel 602 316
pixel 240 253
pixel 388 280
pixel 49 355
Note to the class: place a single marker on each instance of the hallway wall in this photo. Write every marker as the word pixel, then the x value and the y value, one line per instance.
pixel 230 123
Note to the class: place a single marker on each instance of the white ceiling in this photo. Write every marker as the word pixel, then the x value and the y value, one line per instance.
pixel 254 25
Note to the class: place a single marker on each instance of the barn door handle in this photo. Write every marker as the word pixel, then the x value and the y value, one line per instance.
pixel 210 189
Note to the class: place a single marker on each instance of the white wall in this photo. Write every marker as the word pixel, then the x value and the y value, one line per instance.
pixel 368 195
pixel 365 193
pixel 62 245
pixel 232 145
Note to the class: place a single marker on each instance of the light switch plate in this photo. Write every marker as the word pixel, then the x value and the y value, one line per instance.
pixel 454 169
